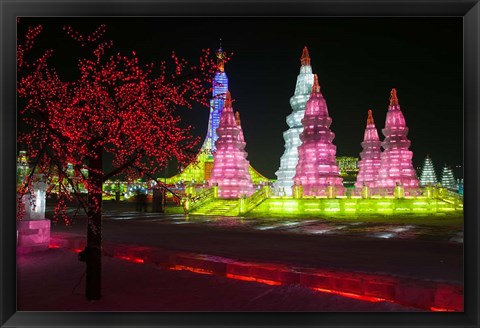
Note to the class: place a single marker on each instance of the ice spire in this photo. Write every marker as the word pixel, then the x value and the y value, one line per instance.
pixel 370 161
pixel 393 97
pixel 289 159
pixel 305 59
pixel 317 167
pixel 239 125
pixel 316 85
pixel 237 118
pixel 396 166
pixel 220 57
pixel 370 118
pixel 230 166
pixel 228 100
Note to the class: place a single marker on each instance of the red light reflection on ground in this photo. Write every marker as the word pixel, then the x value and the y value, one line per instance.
pixel 352 295
pixel 249 278
pixel 266 281
pixel 131 259
pixel 435 309
pixel 192 269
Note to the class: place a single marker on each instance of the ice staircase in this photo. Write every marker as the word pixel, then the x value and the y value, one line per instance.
pixel 451 197
pixel 207 204
pixel 219 207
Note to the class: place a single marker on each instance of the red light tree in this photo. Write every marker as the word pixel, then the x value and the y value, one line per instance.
pixel 116 106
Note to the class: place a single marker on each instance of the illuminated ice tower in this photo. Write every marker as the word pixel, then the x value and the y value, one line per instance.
pixel 289 159
pixel 370 155
pixel 230 165
pixel 219 91
pixel 317 167
pixel 428 176
pixel 199 170
pixel 448 180
pixel 396 166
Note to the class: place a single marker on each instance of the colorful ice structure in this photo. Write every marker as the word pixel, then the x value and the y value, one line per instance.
pixel 369 164
pixel 200 170
pixel 428 176
pixel 396 165
pixel 317 169
pixel 289 159
pixel 219 92
pixel 230 166
pixel 448 180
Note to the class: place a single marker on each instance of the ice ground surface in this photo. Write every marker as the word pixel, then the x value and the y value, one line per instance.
pixel 419 251
pixel 53 281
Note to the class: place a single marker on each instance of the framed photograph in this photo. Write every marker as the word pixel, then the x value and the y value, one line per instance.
pixel 219 163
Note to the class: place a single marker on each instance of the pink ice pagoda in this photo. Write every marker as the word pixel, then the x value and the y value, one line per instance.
pixel 396 168
pixel 230 166
pixel 369 164
pixel 317 170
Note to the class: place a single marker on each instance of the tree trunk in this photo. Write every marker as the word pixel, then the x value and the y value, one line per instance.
pixel 94 229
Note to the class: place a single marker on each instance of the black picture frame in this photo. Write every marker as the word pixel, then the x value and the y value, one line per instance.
pixel 469 9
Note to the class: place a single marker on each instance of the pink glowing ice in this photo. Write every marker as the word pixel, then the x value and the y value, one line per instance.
pixel 317 169
pixel 396 160
pixel 230 165
pixel 369 164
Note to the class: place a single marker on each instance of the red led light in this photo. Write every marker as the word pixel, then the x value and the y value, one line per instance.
pixel 116 105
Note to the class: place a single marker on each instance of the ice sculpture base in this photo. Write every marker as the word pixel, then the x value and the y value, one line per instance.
pixel 32 236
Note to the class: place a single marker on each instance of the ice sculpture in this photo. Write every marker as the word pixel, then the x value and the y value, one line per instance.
pixel 448 180
pixel 317 170
pixel 369 163
pixel 289 159
pixel 428 176
pixel 200 169
pixel 396 166
pixel 230 166
pixel 219 91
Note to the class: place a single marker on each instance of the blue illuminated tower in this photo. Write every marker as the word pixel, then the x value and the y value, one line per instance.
pixel 199 171
pixel 289 159
pixel 220 88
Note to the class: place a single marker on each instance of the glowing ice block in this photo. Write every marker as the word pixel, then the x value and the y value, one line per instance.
pixel 369 164
pixel 317 169
pixel 230 166
pixel 396 160
pixel 289 159
pixel 35 202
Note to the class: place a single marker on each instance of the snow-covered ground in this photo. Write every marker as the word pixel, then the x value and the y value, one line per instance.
pixel 54 281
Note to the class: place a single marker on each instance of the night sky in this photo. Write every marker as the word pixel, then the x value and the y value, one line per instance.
pixel 357 60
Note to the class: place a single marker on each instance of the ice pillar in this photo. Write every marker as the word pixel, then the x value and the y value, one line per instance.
pixel 289 159
pixel 396 160
pixel 230 165
pixel 317 169
pixel 370 160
